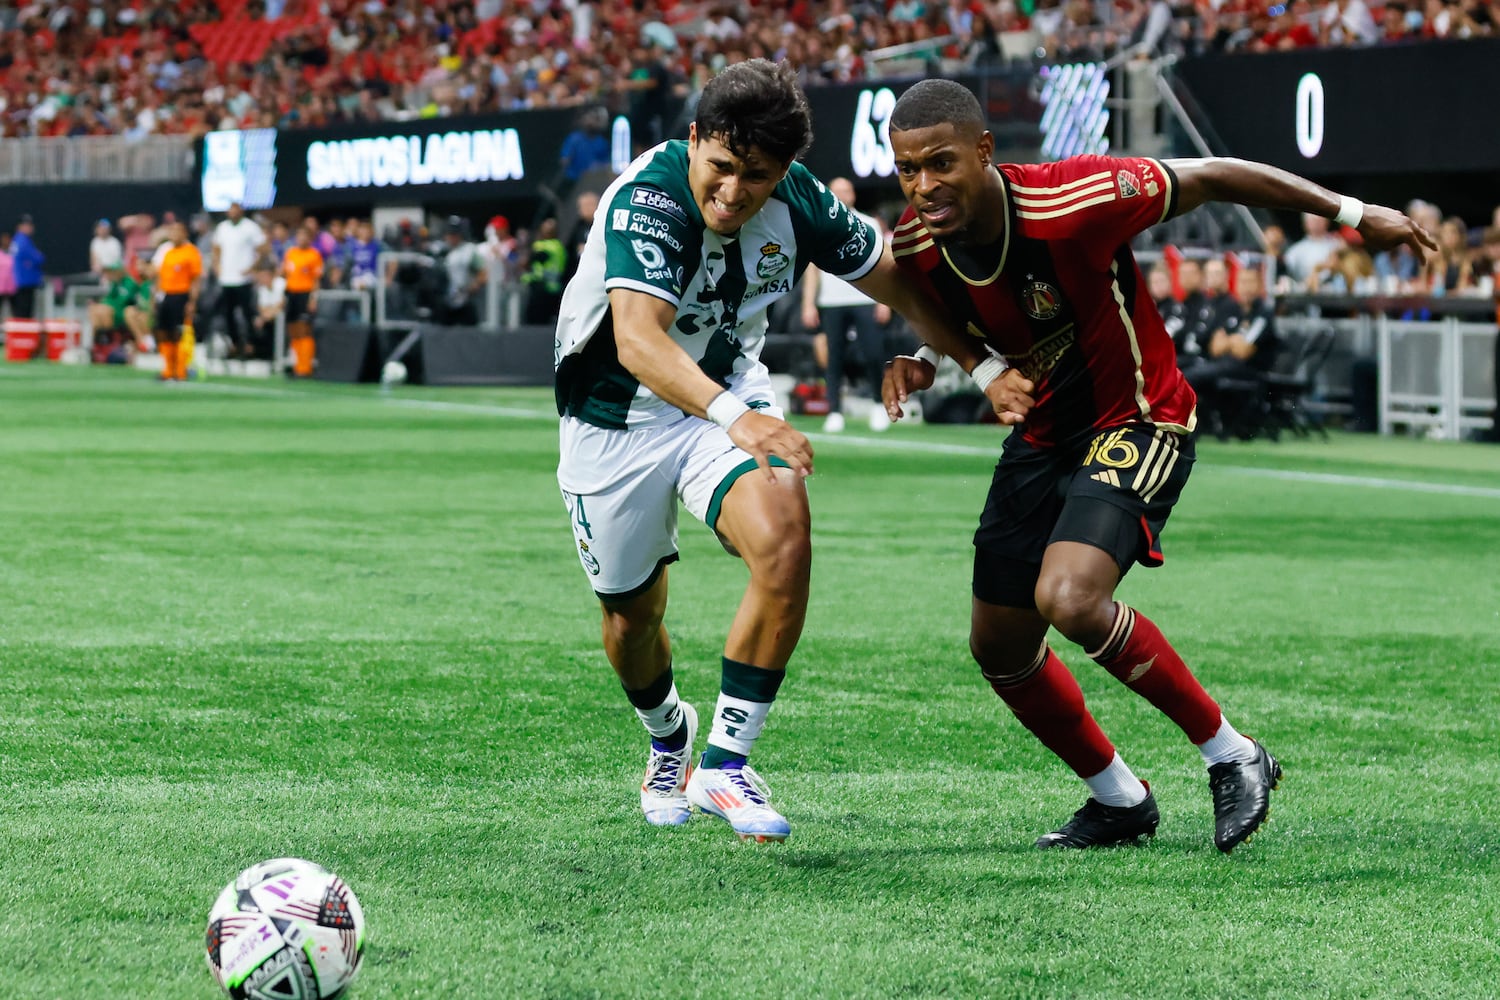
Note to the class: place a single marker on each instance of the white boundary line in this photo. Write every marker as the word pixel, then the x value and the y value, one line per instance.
pixel 885 444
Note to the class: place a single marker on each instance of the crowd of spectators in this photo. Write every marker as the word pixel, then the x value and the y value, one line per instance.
pixel 437 273
pixel 1331 260
pixel 141 67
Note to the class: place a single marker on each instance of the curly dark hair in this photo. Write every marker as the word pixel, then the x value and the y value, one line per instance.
pixel 757 104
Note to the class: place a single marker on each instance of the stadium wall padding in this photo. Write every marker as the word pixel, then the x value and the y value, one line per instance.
pixel 347 352
pixel 65 213
pixel 471 355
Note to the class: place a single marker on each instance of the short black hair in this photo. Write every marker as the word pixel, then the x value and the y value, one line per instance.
pixel 938 102
pixel 757 104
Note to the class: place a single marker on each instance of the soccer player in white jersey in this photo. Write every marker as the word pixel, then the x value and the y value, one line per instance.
pixel 663 398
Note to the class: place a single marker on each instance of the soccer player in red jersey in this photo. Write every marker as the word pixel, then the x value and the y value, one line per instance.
pixel 1035 262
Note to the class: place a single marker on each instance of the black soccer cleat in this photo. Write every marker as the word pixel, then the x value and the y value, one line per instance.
pixel 1242 797
pixel 1099 825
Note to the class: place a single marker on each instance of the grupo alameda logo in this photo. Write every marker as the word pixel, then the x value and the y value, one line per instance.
pixel 402 160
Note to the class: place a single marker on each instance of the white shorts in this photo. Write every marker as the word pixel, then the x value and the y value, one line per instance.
pixel 621 488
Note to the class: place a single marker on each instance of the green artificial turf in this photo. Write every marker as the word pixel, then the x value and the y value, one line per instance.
pixel 241 620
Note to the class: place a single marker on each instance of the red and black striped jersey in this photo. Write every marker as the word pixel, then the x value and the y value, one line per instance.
pixel 1061 297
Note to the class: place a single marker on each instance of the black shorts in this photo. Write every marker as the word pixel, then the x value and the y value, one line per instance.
pixel 1115 493
pixel 296 305
pixel 171 313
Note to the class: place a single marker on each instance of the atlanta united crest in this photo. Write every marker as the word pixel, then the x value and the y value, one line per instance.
pixel 1041 300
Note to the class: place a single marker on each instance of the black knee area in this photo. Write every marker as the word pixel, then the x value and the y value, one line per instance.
pixel 1097 522
pixel 998 579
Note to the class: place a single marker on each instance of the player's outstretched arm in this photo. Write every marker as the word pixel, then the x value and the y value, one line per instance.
pixel 1260 185
pixel 649 353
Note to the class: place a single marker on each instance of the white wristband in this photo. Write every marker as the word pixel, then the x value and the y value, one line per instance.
pixel 1351 211
pixel 726 408
pixel 987 371
pixel 927 354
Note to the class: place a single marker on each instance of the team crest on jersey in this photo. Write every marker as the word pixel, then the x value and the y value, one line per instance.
pixel 1129 186
pixel 1041 300
pixel 772 261
pixel 589 562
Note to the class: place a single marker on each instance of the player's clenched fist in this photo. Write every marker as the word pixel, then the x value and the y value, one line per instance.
pixel 1010 396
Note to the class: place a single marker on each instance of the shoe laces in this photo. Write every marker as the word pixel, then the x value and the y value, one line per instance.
pixel 664 770
pixel 750 784
pixel 1227 781
pixel 1092 809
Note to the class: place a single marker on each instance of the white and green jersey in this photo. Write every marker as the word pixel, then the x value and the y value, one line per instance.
pixel 648 236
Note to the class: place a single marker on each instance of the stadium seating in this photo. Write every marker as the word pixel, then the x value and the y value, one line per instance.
pixel 517 58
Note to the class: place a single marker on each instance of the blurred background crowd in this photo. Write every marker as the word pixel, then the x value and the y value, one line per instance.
pixel 135 69
pixel 141 67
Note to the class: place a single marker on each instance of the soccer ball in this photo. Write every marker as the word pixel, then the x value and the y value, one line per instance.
pixel 394 373
pixel 286 929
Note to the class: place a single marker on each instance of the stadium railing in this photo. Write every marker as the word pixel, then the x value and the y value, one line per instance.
pixel 331 304
pixel 1434 359
pixel 110 158
pixel 413 298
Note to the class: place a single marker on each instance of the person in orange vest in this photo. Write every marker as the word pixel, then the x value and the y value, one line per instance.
pixel 179 274
pixel 302 266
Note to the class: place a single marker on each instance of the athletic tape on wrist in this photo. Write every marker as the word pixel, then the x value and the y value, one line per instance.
pixel 726 408
pixel 987 371
pixel 1351 211
pixel 927 354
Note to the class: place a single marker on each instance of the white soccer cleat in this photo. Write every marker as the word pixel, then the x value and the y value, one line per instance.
pixel 663 792
pixel 834 424
pixel 739 795
pixel 880 421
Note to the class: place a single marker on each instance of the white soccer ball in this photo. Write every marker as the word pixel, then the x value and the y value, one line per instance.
pixel 394 373
pixel 285 928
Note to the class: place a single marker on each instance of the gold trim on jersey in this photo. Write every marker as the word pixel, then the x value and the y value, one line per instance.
pixel 1004 247
pixel 1049 201
pixel 1076 206
pixel 1044 355
pixel 1167 182
pixel 910 237
pixel 907 251
pixel 900 231
pixel 1023 189
pixel 1141 402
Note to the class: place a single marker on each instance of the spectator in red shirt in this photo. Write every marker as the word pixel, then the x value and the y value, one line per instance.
pixel 1291 28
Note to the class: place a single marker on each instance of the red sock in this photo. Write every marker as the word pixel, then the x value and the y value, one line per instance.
pixel 1138 655
pixel 1049 703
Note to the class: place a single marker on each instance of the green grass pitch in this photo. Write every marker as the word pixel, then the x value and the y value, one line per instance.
pixel 244 620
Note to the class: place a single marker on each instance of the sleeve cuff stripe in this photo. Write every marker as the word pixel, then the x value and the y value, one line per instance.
pixel 640 286
pixel 867 266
